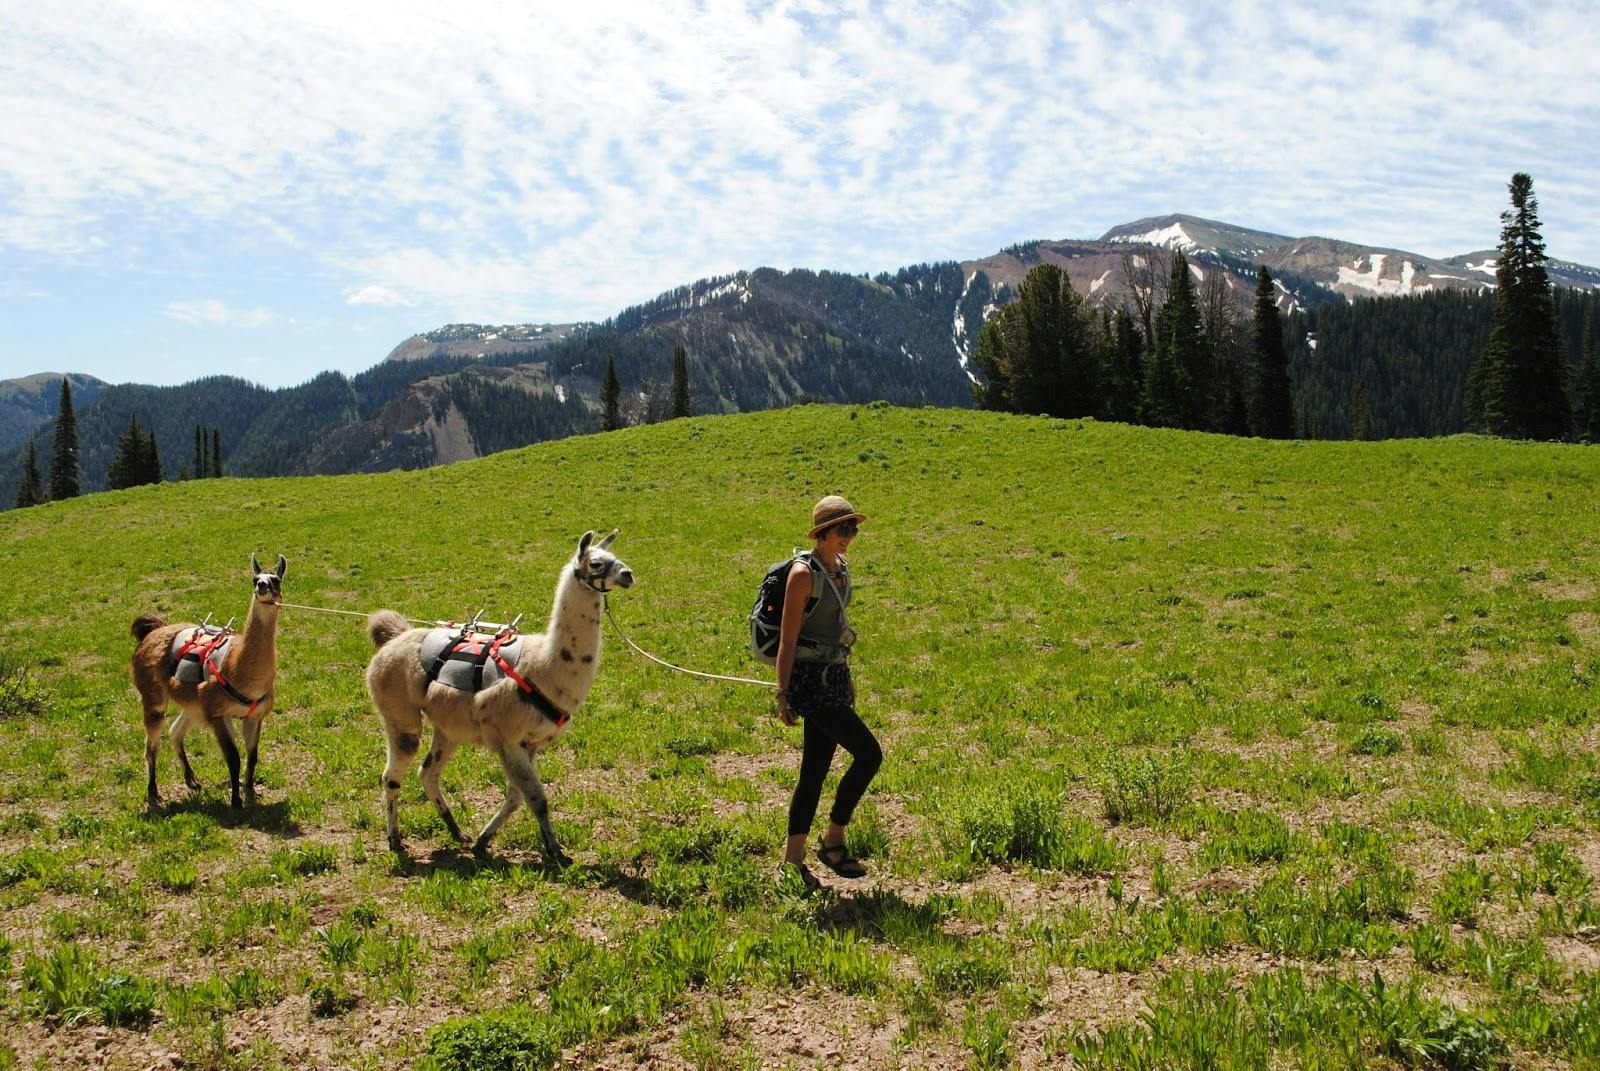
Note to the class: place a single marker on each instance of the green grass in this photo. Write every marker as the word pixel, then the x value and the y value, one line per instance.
pixel 1293 740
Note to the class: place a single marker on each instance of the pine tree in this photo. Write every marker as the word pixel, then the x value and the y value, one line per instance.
pixel 1124 369
pixel 1272 408
pixel 202 468
pixel 1178 376
pixel 30 492
pixel 1588 426
pixel 149 459
pixel 999 341
pixel 128 465
pixel 216 452
pixel 64 450
pixel 1517 387
pixel 680 381
pixel 610 398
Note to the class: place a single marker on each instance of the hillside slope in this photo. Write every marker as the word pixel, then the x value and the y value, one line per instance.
pixel 1179 728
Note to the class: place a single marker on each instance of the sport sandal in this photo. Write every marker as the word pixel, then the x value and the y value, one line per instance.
pixel 790 872
pixel 839 860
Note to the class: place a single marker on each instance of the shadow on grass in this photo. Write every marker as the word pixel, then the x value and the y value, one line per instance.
pixel 880 914
pixel 272 817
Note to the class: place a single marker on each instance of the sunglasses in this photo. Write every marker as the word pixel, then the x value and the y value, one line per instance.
pixel 846 528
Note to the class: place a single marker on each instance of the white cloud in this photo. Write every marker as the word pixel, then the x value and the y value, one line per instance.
pixel 560 162
pixel 213 313
pixel 373 294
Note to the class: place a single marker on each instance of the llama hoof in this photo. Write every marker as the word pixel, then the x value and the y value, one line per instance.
pixel 480 848
pixel 397 846
pixel 557 858
pixel 152 802
pixel 192 784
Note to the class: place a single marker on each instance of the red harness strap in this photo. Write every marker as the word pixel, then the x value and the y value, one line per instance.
pixel 529 692
pixel 204 646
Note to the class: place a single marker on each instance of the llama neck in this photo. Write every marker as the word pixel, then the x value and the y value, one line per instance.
pixel 254 655
pixel 571 648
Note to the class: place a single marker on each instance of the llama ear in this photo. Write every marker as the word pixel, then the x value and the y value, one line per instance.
pixel 606 542
pixel 583 544
pixel 255 566
pixel 283 566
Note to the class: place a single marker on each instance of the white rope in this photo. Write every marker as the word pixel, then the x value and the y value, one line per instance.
pixel 691 672
pixel 609 616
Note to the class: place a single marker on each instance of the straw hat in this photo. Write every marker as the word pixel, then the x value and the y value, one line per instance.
pixel 831 511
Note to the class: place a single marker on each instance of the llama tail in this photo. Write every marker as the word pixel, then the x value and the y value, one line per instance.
pixel 385 625
pixel 143 625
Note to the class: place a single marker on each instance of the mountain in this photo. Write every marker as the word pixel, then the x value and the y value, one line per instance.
pixel 757 340
pixel 29 402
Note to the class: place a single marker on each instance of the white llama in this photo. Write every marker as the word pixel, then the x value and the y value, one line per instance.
pixel 228 676
pixel 529 703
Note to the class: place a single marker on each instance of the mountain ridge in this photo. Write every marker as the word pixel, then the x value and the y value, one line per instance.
pixel 756 339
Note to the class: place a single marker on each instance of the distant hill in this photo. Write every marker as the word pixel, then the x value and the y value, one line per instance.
pixel 757 340
pixel 31 401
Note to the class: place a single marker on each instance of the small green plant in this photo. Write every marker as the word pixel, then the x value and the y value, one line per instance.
pixel 1430 946
pixel 1376 739
pixel 20 694
pixel 967 969
pixel 61 984
pixel 1027 824
pixel 988 1037
pixel 304 861
pixel 1144 788
pixel 330 997
pixel 1463 888
pixel 122 1000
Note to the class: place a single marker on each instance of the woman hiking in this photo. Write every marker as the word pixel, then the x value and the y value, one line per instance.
pixel 814 685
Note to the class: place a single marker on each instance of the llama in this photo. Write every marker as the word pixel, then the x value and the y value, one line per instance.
pixel 235 681
pixel 517 716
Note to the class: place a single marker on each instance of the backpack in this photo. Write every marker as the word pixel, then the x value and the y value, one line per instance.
pixel 766 618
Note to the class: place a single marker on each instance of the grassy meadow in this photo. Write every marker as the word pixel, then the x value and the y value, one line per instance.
pixel 1200 752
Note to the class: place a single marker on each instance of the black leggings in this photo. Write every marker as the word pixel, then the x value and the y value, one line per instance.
pixel 823 697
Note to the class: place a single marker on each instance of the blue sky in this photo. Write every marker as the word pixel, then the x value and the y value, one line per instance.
pixel 269 190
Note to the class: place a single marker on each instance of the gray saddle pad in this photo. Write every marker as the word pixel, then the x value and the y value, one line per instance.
pixel 460 672
pixel 189 670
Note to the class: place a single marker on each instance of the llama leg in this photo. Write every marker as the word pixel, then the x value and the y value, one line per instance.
pixel 518 763
pixel 180 729
pixel 514 797
pixel 230 753
pixel 252 741
pixel 432 767
pixel 402 750
pixel 153 720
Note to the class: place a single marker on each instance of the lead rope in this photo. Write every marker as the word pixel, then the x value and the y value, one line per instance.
pixel 679 669
pixel 609 616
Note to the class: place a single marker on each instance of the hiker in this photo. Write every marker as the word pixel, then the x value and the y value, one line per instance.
pixel 814 685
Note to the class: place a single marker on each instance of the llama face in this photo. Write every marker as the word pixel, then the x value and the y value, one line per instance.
pixel 598 567
pixel 269 586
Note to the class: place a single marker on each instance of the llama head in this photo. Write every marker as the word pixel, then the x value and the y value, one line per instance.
pixel 269 585
pixel 597 567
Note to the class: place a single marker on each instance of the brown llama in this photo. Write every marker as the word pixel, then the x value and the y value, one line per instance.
pixel 521 705
pixel 213 676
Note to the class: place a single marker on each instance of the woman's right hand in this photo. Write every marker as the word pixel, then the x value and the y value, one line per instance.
pixel 785 711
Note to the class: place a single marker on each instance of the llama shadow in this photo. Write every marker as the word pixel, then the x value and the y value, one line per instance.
pixel 274 818
pixel 464 862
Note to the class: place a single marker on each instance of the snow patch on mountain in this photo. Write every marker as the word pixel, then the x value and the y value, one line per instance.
pixel 958 330
pixel 1488 267
pixel 1372 279
pixel 1173 237
pixel 1098 283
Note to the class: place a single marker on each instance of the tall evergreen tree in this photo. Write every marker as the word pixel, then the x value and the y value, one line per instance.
pixel 1588 426
pixel 1124 369
pixel 30 492
pixel 1178 387
pixel 216 452
pixel 149 459
pixel 999 342
pixel 128 466
pixel 680 381
pixel 201 468
pixel 1517 387
pixel 1272 406
pixel 610 398
pixel 64 449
